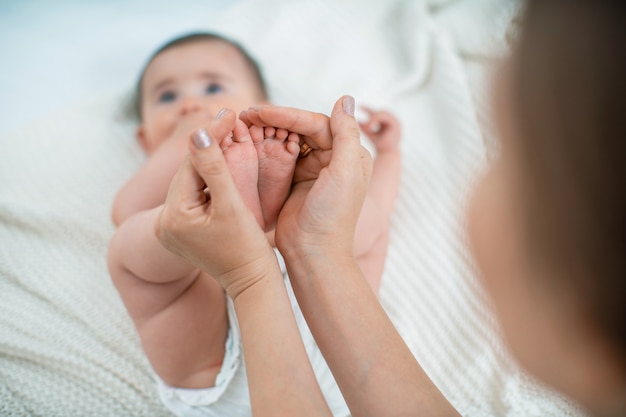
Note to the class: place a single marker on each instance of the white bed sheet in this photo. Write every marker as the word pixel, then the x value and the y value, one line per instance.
pixel 67 346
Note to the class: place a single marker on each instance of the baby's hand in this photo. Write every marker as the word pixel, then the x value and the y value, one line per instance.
pixel 383 129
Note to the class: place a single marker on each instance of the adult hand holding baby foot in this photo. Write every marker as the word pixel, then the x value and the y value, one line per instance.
pixel 313 129
pixel 319 205
pixel 315 233
pixel 205 219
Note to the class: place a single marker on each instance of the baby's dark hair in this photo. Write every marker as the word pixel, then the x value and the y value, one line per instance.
pixel 569 90
pixel 134 106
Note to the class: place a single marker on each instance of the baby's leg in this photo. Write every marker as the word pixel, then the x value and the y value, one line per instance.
pixel 243 162
pixel 179 312
pixel 372 231
pixel 277 151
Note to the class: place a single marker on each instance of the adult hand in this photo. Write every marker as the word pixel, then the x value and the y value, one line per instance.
pixel 205 220
pixel 330 183
pixel 313 129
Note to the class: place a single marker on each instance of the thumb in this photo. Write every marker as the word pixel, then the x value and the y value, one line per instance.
pixel 208 160
pixel 347 149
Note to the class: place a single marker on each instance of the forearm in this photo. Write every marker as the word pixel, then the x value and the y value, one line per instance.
pixel 278 369
pixel 136 249
pixel 371 363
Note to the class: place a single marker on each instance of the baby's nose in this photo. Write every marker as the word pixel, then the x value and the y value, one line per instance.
pixel 190 105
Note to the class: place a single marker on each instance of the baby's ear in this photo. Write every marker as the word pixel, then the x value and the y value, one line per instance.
pixel 140 133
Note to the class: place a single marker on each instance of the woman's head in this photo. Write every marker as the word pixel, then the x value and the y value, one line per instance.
pixel 557 193
pixel 193 76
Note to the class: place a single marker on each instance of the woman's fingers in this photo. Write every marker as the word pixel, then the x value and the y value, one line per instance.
pixel 347 149
pixel 187 202
pixel 313 127
pixel 328 191
pixel 208 160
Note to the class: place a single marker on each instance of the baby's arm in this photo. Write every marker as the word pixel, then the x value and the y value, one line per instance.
pixel 179 313
pixel 148 187
pixel 372 231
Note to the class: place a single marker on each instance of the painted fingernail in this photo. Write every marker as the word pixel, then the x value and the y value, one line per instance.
pixel 221 113
pixel 201 139
pixel 348 105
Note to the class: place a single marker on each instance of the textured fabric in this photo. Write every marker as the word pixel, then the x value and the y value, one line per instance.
pixel 67 345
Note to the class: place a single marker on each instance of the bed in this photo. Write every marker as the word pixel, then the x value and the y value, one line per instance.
pixel 67 345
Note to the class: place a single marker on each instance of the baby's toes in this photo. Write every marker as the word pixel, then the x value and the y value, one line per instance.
pixel 257 134
pixel 226 142
pixel 293 144
pixel 241 133
pixel 282 134
pixel 270 132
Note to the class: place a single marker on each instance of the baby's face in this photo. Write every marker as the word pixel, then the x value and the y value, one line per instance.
pixel 186 85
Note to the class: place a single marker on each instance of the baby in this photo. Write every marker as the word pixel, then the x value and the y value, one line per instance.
pixel 185 322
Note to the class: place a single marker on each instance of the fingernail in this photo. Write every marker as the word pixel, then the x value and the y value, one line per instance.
pixel 255 108
pixel 201 139
pixel 221 113
pixel 348 105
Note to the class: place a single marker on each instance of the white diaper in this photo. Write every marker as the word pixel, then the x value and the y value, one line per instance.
pixel 230 396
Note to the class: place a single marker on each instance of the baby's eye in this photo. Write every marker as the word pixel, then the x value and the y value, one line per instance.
pixel 167 97
pixel 213 88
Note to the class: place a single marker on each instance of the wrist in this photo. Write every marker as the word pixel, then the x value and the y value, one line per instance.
pixel 314 260
pixel 250 278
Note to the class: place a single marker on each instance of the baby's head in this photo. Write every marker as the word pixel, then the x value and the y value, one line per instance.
pixel 548 223
pixel 190 79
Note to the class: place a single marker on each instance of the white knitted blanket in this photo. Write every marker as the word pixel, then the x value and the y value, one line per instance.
pixel 68 347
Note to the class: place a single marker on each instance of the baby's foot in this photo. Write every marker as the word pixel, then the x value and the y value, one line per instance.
pixel 277 151
pixel 243 163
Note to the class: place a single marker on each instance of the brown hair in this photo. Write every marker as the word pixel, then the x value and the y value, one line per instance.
pixel 569 87
pixel 135 109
